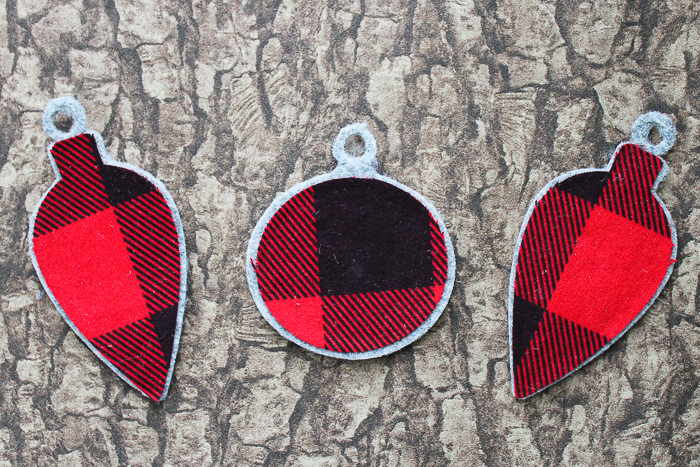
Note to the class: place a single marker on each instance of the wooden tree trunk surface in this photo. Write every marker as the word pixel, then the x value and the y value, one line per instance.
pixel 476 104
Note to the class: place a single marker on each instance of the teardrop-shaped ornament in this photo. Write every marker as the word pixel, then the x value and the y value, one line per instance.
pixel 596 248
pixel 107 243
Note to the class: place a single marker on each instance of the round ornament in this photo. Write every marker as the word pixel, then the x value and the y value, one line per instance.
pixel 351 264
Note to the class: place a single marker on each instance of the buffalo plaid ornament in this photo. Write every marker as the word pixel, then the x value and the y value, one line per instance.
pixel 351 264
pixel 595 250
pixel 107 243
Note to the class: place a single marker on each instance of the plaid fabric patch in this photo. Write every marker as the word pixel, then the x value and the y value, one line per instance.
pixel 107 248
pixel 594 253
pixel 351 265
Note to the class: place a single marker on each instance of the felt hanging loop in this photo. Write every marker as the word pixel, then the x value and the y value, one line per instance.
pixel 368 158
pixel 106 241
pixel 642 127
pixel 351 264
pixel 68 106
pixel 596 248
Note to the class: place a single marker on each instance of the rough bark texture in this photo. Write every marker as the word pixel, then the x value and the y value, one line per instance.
pixel 474 103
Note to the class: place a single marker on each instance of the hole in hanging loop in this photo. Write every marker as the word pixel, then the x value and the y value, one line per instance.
pixel 642 134
pixel 654 135
pixel 355 146
pixel 63 122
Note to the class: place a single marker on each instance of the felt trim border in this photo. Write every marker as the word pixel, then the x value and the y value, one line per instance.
pixel 674 238
pixel 63 107
pixel 358 167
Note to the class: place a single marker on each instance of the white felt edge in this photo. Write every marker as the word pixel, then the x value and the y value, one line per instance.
pixel 345 171
pixel 183 259
pixel 511 288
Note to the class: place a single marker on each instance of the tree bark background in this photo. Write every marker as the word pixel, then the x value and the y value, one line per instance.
pixel 476 104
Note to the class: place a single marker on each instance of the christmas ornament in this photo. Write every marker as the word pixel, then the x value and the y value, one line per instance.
pixel 595 249
pixel 351 264
pixel 106 241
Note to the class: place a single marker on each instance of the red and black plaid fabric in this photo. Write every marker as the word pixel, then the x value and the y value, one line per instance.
pixel 594 253
pixel 351 265
pixel 107 247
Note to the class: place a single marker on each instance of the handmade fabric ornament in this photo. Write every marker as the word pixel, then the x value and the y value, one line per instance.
pixel 351 264
pixel 106 241
pixel 595 250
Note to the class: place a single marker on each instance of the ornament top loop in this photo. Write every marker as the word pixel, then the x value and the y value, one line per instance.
pixel 368 158
pixel 642 126
pixel 68 106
